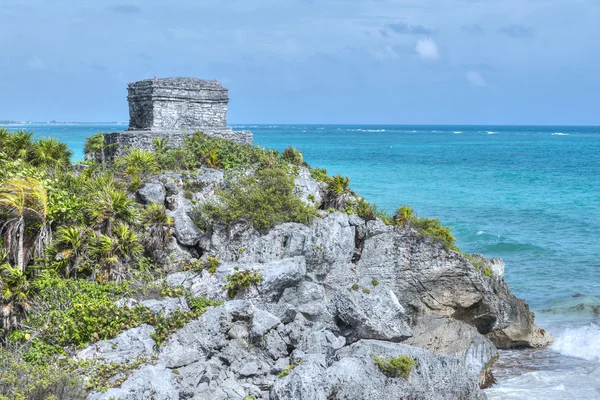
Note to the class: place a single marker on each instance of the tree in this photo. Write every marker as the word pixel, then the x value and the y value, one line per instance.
pixel 70 245
pixel 14 297
pixel 109 206
pixel 25 201
pixel 95 147
pixel 50 153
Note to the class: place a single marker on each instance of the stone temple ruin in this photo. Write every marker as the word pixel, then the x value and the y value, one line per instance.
pixel 173 108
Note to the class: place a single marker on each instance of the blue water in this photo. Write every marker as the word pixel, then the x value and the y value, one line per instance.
pixel 530 195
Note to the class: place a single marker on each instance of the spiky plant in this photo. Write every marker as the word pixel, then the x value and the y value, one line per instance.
pixel 138 163
pixel 70 245
pixel 210 157
pixel 14 299
pixel 51 154
pixel 337 189
pixel 111 205
pixel 95 147
pixel 157 224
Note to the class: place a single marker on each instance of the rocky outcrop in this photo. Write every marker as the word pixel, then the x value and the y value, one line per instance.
pixel 331 296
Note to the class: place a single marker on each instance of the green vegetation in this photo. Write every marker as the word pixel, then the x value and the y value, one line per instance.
pixel 430 227
pixel 241 280
pixel 375 282
pixel 292 156
pixel 394 367
pixel 263 200
pixel 366 291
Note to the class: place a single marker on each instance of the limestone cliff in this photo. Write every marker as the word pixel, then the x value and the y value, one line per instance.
pixel 332 295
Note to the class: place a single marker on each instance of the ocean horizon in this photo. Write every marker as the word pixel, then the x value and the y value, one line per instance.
pixel 527 194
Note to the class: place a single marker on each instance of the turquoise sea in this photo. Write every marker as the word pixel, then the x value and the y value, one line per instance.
pixel 527 194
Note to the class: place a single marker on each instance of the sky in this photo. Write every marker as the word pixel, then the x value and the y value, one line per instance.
pixel 309 61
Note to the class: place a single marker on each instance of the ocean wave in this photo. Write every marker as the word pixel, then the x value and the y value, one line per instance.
pixel 559 134
pixel 457 132
pixel 581 342
pixel 492 133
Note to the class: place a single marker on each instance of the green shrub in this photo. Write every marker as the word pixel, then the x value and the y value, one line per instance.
pixel 292 156
pixel 426 226
pixel 366 291
pixel 69 312
pixel 241 280
pixel 375 282
pixel 215 152
pixel 319 174
pixel 396 366
pixel 20 380
pixel 263 200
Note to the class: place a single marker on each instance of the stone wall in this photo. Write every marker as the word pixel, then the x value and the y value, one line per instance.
pixel 177 103
pixel 123 141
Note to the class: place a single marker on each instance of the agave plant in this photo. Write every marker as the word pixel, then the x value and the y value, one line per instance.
pixel 25 201
pixel 337 189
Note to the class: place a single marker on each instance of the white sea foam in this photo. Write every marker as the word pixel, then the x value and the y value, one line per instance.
pixel 457 132
pixel 560 134
pixel 582 342
pixel 480 233
pixel 492 133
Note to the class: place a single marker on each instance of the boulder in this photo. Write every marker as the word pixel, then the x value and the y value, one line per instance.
pixel 376 314
pixel 126 348
pixel 152 193
pixel 455 338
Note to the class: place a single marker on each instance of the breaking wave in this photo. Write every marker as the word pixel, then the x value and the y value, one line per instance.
pixel 581 342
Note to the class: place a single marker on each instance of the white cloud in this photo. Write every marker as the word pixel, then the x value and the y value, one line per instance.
pixel 475 78
pixel 427 49
pixel 35 64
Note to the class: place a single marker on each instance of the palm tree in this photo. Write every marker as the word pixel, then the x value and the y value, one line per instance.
pixel 50 153
pixel 70 243
pixel 95 147
pixel 111 254
pixel 18 144
pixel 109 206
pixel 14 298
pixel 24 200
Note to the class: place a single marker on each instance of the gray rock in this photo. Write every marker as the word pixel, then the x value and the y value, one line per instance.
pixel 455 338
pixel 306 187
pixel 149 382
pixel 376 315
pixel 186 232
pixel 167 306
pixel 127 347
pixel 152 193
